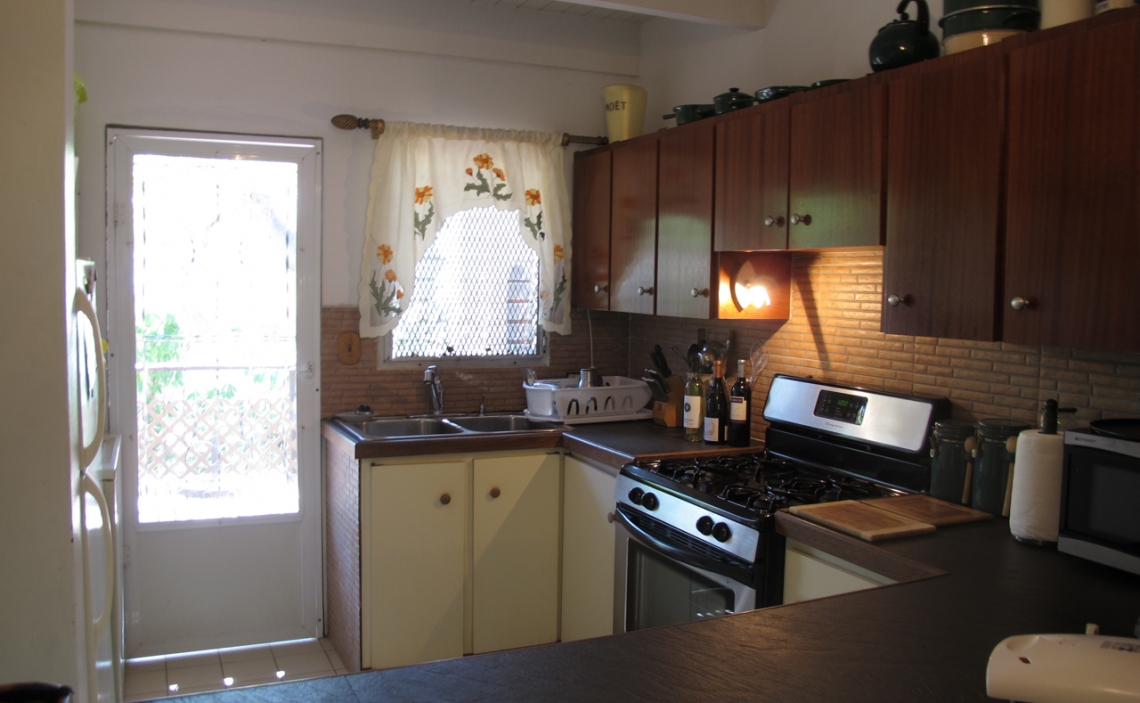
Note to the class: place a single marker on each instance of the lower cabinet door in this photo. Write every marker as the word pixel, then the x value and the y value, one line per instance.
pixel 414 576
pixel 587 550
pixel 516 519
pixel 808 577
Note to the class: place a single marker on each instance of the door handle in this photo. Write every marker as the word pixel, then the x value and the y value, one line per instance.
pixel 104 620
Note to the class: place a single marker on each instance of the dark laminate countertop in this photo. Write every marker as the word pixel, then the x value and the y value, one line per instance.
pixel 926 640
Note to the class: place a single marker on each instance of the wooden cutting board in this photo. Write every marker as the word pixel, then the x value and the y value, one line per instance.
pixel 929 510
pixel 861 520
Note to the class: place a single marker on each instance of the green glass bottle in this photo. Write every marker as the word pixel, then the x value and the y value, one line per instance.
pixel 694 412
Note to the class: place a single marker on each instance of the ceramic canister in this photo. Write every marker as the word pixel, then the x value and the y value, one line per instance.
pixel 625 111
pixel 1057 12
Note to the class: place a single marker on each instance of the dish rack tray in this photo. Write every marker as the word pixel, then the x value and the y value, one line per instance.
pixel 561 400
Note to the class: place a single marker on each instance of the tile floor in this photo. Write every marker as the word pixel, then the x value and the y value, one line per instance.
pixel 220 669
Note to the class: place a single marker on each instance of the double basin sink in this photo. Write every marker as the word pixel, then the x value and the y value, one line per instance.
pixel 420 427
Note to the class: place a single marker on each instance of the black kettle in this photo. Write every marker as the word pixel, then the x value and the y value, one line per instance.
pixel 905 41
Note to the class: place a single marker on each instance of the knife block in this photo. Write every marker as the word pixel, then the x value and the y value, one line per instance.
pixel 671 413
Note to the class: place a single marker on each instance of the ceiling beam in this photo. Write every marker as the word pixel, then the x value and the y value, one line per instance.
pixel 745 14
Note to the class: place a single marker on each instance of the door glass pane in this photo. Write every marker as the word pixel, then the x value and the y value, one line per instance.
pixel 216 340
pixel 662 592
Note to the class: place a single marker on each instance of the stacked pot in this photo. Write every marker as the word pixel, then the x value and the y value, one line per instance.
pixel 968 24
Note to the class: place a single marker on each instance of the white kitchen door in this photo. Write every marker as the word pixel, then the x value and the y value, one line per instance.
pixel 214 314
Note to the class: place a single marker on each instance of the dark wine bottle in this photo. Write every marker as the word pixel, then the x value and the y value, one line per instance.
pixel 740 410
pixel 716 407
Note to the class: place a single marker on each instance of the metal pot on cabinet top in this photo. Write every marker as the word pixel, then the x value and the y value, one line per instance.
pixel 904 41
pixel 732 100
pixel 690 113
pixel 969 24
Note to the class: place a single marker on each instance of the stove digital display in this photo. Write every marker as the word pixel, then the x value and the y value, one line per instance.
pixel 840 406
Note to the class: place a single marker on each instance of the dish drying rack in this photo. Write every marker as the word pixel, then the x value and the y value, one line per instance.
pixel 561 400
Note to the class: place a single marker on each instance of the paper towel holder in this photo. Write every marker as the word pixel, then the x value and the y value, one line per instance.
pixel 1047 420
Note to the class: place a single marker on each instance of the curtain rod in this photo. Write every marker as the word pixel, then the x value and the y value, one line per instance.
pixel 351 122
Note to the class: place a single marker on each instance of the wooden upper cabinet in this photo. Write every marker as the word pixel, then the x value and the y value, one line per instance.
pixel 944 198
pixel 1073 223
pixel 633 231
pixel 684 222
pixel 752 180
pixel 591 249
pixel 836 168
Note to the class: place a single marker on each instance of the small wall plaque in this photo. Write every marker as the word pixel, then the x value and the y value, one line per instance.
pixel 348 348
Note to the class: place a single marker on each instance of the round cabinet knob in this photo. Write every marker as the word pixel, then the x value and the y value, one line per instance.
pixel 609 517
pixel 445 499
pixel 705 525
pixel 601 289
pixel 495 492
pixel 773 221
pixel 650 502
pixel 645 291
pixel 1019 303
pixel 700 292
pixel 635 496
pixel 721 533
pixel 897 300
pixel 801 220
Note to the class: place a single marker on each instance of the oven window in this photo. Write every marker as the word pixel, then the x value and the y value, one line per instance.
pixel 662 592
pixel 1102 499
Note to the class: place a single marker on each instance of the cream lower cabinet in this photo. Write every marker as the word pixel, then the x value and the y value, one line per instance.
pixel 810 573
pixel 587 550
pixel 460 557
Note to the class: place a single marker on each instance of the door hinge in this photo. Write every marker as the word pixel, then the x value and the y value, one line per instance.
pixel 120 208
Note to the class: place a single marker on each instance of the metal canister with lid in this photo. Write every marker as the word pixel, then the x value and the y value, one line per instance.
pixel 993 468
pixel 951 448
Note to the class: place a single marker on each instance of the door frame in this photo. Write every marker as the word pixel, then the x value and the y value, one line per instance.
pixel 121 143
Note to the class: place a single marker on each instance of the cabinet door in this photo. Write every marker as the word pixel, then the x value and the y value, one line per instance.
pixel 684 222
pixel 1073 224
pixel 633 235
pixel 413 580
pixel 808 578
pixel 836 169
pixel 752 180
pixel 587 550
pixel 591 250
pixel 944 198
pixel 516 551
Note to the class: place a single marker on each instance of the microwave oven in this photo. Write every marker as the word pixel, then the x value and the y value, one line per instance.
pixel 1100 499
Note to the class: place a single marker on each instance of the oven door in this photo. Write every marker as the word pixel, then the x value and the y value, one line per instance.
pixel 657 583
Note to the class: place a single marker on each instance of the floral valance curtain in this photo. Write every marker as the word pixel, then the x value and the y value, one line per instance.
pixel 423 174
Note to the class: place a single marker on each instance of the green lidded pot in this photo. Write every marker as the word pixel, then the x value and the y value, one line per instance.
pixel 733 100
pixel 967 24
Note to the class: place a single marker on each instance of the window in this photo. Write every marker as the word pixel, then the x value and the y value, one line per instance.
pixel 476 293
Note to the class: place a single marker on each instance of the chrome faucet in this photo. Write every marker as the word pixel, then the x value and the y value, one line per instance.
pixel 434 381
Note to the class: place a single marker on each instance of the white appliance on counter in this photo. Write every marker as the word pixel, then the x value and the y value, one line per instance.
pixel 1065 669
pixel 102 542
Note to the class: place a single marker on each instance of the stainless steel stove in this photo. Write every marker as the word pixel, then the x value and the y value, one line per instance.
pixel 696 537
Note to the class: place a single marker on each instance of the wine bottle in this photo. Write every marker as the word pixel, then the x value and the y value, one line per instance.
pixel 716 407
pixel 740 410
pixel 694 397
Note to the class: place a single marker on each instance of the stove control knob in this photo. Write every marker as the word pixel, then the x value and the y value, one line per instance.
pixel 650 502
pixel 720 532
pixel 705 525
pixel 635 496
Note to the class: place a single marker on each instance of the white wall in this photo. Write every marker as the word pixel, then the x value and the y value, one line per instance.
pixel 805 41
pixel 214 80
pixel 40 567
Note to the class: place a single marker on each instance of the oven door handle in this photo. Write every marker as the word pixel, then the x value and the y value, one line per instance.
pixel 683 556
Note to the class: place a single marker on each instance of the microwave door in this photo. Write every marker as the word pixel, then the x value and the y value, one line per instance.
pixel 652 589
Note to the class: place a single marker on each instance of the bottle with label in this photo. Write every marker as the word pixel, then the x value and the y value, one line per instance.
pixel 716 407
pixel 694 415
pixel 740 410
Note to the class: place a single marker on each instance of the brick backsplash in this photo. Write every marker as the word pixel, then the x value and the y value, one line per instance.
pixel 832 334
pixel 402 392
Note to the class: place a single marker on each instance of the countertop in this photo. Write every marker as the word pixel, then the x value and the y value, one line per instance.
pixel 926 640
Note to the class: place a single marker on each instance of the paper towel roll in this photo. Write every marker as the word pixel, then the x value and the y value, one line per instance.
pixel 1035 508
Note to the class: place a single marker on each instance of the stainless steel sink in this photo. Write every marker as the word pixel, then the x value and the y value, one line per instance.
pixel 406 427
pixel 505 423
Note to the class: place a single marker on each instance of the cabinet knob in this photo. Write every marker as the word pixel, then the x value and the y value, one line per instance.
pixel 609 517
pixel 601 288
pixel 773 221
pixel 1019 303
pixel 445 499
pixel 645 291
pixel 801 220
pixel 700 292
pixel 495 492
pixel 897 300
